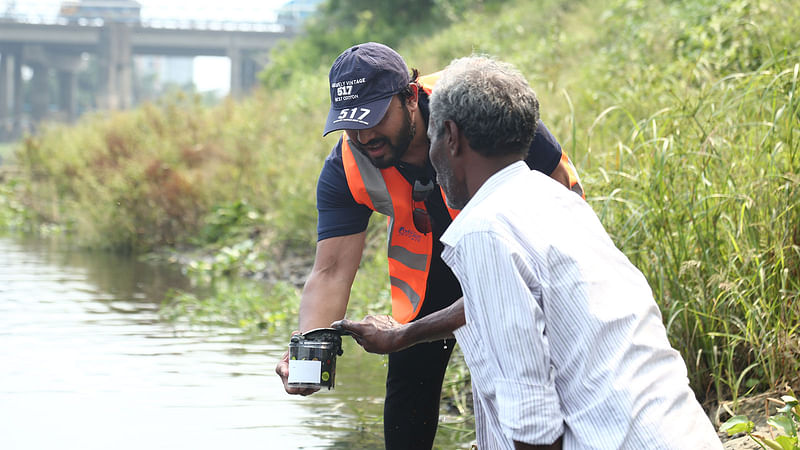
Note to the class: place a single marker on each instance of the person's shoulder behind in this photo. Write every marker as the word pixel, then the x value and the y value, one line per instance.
pixel 545 151
pixel 335 155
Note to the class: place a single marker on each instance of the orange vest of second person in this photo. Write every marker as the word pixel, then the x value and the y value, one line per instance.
pixel 388 192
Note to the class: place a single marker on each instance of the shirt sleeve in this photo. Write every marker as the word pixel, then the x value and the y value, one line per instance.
pixel 338 214
pixel 545 151
pixel 500 291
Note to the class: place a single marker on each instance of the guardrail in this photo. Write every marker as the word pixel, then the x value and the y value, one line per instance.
pixel 172 24
pixel 163 16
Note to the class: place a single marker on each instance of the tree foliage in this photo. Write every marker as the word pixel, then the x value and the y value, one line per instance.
pixel 340 24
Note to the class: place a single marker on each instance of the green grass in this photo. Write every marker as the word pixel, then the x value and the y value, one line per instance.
pixel 157 175
pixel 7 152
pixel 704 198
pixel 682 118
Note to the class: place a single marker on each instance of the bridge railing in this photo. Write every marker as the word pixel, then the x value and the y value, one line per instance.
pixel 44 13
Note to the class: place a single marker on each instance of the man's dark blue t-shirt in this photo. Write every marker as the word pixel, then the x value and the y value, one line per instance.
pixel 340 215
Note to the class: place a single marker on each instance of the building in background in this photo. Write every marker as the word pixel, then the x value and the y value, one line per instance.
pixel 82 11
pixel 295 12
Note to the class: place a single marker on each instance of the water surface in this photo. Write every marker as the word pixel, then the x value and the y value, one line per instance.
pixel 86 363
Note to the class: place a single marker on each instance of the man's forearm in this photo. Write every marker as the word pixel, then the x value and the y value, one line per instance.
pixel 327 289
pixel 557 445
pixel 321 303
pixel 383 334
pixel 439 325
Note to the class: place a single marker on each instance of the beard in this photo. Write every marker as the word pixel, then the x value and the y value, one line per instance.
pixel 456 195
pixel 396 147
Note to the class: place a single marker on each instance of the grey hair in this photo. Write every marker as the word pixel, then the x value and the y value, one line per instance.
pixel 490 101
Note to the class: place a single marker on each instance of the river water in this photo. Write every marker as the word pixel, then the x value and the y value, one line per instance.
pixel 86 363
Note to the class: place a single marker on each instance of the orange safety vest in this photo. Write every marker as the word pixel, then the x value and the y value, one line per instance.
pixel 389 193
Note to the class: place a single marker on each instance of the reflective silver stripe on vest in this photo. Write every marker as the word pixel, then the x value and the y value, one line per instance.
pixel 408 258
pixel 374 182
pixel 382 202
pixel 417 261
pixel 403 286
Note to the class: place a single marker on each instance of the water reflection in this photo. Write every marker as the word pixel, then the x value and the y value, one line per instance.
pixel 85 363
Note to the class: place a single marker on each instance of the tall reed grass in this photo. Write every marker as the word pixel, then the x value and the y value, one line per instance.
pixel 683 119
pixel 704 197
pixel 163 174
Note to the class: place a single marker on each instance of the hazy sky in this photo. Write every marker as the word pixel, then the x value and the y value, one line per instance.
pixel 210 73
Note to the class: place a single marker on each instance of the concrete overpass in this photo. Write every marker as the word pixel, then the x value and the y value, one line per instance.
pixel 47 48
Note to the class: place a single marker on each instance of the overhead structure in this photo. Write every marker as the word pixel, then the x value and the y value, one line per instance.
pixel 111 31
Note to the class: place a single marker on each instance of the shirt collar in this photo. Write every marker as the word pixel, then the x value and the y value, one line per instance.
pixel 500 177
pixel 504 175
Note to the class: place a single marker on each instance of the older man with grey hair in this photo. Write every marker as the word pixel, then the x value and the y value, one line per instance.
pixel 563 338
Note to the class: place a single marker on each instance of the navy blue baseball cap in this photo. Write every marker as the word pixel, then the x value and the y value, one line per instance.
pixel 363 80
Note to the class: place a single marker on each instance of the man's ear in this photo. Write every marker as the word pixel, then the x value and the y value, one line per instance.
pixel 452 138
pixel 412 102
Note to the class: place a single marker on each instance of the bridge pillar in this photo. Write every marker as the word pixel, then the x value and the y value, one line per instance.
pixel 40 91
pixel 67 85
pixel 106 75
pixel 10 93
pixel 125 67
pixel 115 64
pixel 16 126
pixel 244 72
pixel 235 54
pixel 250 69
pixel 5 94
pixel 66 67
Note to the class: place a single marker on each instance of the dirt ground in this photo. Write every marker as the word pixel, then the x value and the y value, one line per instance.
pixel 758 409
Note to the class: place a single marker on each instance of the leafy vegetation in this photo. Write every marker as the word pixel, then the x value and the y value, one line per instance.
pixel 786 422
pixel 342 23
pixel 245 305
pixel 165 174
pixel 682 117
pixel 12 213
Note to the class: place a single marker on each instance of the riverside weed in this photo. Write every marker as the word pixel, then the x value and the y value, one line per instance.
pixel 786 422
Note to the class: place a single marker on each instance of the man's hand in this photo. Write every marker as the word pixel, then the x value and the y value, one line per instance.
pixel 377 334
pixel 326 292
pixel 282 370
pixel 383 334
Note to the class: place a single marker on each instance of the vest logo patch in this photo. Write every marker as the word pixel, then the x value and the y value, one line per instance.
pixel 411 234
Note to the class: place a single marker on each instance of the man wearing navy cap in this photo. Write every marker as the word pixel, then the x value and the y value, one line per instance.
pixel 381 164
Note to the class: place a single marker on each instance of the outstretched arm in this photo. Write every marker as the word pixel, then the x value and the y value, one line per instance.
pixel 383 334
pixel 326 291
pixel 557 445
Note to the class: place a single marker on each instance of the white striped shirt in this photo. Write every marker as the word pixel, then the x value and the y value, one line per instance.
pixel 562 334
